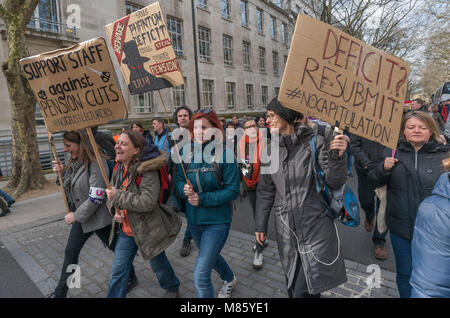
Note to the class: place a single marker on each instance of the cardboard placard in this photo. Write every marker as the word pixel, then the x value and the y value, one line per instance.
pixel 76 87
pixel 144 51
pixel 341 80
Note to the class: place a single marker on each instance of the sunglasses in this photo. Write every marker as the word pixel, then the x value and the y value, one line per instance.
pixel 204 111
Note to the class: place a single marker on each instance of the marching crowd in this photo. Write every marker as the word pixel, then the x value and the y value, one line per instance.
pixel 403 192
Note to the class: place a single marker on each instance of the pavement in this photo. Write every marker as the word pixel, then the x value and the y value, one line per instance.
pixel 33 237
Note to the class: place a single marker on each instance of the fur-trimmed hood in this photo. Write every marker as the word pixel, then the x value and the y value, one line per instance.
pixel 153 164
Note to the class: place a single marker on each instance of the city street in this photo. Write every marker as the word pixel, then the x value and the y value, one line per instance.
pixel 34 235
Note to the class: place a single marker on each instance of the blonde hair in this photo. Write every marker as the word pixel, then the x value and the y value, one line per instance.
pixel 446 164
pixel 424 118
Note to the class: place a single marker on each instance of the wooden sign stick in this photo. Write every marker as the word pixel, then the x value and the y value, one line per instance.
pixel 98 157
pixel 61 182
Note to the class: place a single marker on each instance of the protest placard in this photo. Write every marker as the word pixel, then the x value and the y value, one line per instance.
pixel 344 81
pixel 144 51
pixel 76 87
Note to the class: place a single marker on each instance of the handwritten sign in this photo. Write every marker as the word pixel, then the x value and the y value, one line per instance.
pixel 144 51
pixel 75 87
pixel 345 82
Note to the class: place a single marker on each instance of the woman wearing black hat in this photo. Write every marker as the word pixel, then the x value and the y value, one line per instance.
pixel 308 241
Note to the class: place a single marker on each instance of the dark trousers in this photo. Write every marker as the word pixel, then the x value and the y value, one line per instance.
pixel 370 204
pixel 75 242
pixel 252 198
pixel 299 288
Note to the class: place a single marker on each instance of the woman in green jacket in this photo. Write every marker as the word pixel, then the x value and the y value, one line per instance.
pixel 211 188
pixel 135 199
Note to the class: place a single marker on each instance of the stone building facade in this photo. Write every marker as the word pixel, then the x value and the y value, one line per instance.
pixel 242 49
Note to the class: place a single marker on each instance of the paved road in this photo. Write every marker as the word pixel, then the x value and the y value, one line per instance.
pixel 357 243
pixel 14 281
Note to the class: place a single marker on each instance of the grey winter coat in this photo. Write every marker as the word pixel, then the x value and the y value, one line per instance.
pixel 302 228
pixel 151 232
pixel 92 216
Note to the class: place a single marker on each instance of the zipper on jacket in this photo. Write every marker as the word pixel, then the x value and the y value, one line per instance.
pixel 415 161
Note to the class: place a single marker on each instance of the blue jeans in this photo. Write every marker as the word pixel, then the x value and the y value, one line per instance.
pixel 210 240
pixel 124 253
pixel 403 264
pixel 7 198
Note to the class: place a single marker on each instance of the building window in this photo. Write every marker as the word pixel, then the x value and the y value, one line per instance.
pixel 204 41
pixel 231 94
pixel 285 60
pixel 227 50
pixel 264 95
pixel 225 8
pixel 244 13
pixel 175 28
pixel 277 2
pixel 208 93
pixel 276 90
pixel 143 103
pixel 46 17
pixel 260 20
pixel 284 34
pixel 275 62
pixel 262 59
pixel 202 4
pixel 179 95
pixel 131 7
pixel 273 27
pixel 246 52
pixel 249 94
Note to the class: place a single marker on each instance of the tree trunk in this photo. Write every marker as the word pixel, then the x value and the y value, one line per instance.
pixel 27 171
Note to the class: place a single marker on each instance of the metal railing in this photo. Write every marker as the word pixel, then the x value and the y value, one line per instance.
pixel 45 152
pixel 48 26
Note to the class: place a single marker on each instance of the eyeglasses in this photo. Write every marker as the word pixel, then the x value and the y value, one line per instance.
pixel 204 111
pixel 271 116
pixel 248 127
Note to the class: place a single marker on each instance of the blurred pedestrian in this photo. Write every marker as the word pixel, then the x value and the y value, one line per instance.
pixel 182 116
pixel 139 127
pixel 251 146
pixel 367 154
pixel 430 275
pixel 433 112
pixel 5 201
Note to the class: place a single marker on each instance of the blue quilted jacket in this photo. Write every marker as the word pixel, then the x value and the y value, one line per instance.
pixel 431 244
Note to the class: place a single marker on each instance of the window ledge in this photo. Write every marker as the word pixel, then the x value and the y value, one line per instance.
pixel 206 62
pixel 203 9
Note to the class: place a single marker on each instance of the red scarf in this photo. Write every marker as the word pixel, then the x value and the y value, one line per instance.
pixel 258 146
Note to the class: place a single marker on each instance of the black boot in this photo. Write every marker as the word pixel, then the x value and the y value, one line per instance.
pixel 132 281
pixel 5 212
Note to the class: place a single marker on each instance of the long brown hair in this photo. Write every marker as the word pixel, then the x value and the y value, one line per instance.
pixel 81 138
pixel 424 118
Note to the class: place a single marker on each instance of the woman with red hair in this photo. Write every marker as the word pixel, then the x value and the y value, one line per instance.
pixel 213 182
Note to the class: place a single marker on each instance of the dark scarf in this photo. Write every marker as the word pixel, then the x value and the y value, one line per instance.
pixel 69 174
